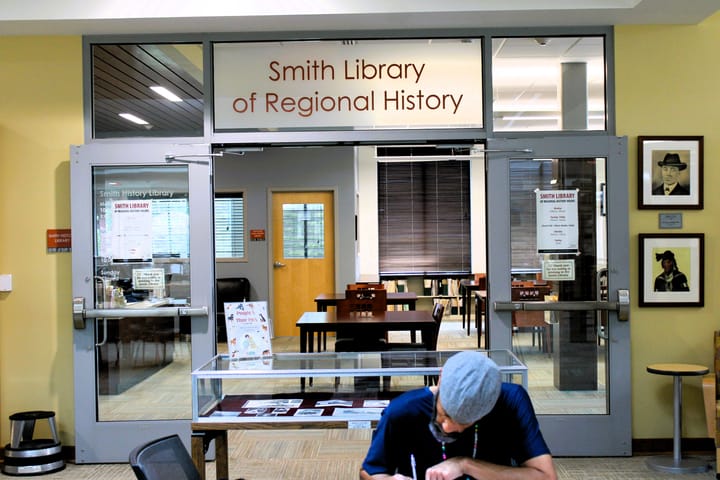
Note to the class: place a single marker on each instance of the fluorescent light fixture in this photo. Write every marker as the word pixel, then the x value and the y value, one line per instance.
pixel 132 118
pixel 166 93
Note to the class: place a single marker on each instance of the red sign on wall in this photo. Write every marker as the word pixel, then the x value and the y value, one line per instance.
pixel 59 240
pixel 257 235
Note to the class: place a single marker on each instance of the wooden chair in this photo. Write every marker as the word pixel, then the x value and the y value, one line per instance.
pixel 363 301
pixel 535 321
pixel 711 397
pixel 360 301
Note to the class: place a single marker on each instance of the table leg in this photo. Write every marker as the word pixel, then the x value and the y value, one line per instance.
pixel 322 307
pixel 199 444
pixel 468 299
pixel 304 339
pixel 198 453
pixel 676 463
pixel 466 308
pixel 222 468
pixel 677 418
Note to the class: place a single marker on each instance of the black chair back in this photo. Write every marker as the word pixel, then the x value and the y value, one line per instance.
pixel 235 289
pixel 163 459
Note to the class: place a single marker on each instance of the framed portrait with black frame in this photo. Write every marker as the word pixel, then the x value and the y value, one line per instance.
pixel 670 172
pixel 672 270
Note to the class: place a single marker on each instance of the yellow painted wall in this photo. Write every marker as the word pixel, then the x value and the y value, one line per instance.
pixel 667 84
pixel 40 117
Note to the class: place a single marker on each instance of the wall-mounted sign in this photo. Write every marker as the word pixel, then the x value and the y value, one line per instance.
pixel 59 240
pixel 361 84
pixel 257 235
pixel 557 221
pixel 670 220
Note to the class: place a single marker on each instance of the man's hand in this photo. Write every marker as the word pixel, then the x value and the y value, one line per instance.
pixel 446 470
pixel 382 476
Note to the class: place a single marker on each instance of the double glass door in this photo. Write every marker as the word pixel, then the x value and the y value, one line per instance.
pixel 557 296
pixel 143 272
pixel 142 264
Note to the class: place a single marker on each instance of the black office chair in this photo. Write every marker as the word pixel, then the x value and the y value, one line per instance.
pixel 437 314
pixel 236 289
pixel 163 459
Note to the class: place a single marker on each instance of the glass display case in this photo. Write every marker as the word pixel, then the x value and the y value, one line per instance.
pixel 318 390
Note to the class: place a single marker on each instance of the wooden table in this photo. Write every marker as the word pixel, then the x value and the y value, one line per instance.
pixel 311 323
pixel 676 463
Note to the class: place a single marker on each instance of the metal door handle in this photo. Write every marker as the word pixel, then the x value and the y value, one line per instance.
pixel 622 306
pixel 80 313
pixel 277 264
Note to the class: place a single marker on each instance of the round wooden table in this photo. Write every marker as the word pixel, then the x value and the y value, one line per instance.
pixel 676 463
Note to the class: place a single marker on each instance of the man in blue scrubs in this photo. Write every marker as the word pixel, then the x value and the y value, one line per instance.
pixel 471 425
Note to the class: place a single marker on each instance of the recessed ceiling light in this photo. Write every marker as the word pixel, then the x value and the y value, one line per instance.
pixel 132 118
pixel 166 93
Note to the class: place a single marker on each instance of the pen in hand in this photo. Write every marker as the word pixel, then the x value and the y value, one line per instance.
pixel 412 465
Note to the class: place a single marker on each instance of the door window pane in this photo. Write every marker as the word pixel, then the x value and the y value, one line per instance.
pixel 142 260
pixel 303 230
pixel 548 83
pixel 229 225
pixel 147 90
pixel 567 350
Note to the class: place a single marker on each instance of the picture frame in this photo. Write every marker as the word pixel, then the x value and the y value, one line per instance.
pixel 681 286
pixel 674 160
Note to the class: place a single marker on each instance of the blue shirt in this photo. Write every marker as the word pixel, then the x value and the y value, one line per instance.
pixel 508 435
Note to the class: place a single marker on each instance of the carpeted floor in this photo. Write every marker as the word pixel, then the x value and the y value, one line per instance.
pixel 335 465
pixel 337 454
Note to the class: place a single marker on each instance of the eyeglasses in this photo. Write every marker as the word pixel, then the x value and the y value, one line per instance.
pixel 439 417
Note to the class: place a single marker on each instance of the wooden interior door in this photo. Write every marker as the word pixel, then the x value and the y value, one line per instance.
pixel 303 254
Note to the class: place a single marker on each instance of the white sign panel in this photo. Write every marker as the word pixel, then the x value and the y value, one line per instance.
pixel 369 84
pixel 148 278
pixel 558 270
pixel 131 231
pixel 557 221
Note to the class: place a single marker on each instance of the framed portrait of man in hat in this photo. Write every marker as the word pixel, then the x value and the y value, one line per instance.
pixel 672 270
pixel 670 172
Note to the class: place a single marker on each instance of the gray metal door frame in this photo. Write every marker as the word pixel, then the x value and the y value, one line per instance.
pixel 569 435
pixel 108 442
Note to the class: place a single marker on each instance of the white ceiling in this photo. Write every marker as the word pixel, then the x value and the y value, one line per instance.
pixel 80 17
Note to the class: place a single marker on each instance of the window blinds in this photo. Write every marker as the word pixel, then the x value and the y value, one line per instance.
pixel 424 217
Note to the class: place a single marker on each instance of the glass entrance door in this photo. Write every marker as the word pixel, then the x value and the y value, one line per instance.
pixel 561 204
pixel 142 277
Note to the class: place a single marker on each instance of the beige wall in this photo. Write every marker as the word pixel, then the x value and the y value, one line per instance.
pixel 666 85
pixel 40 116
